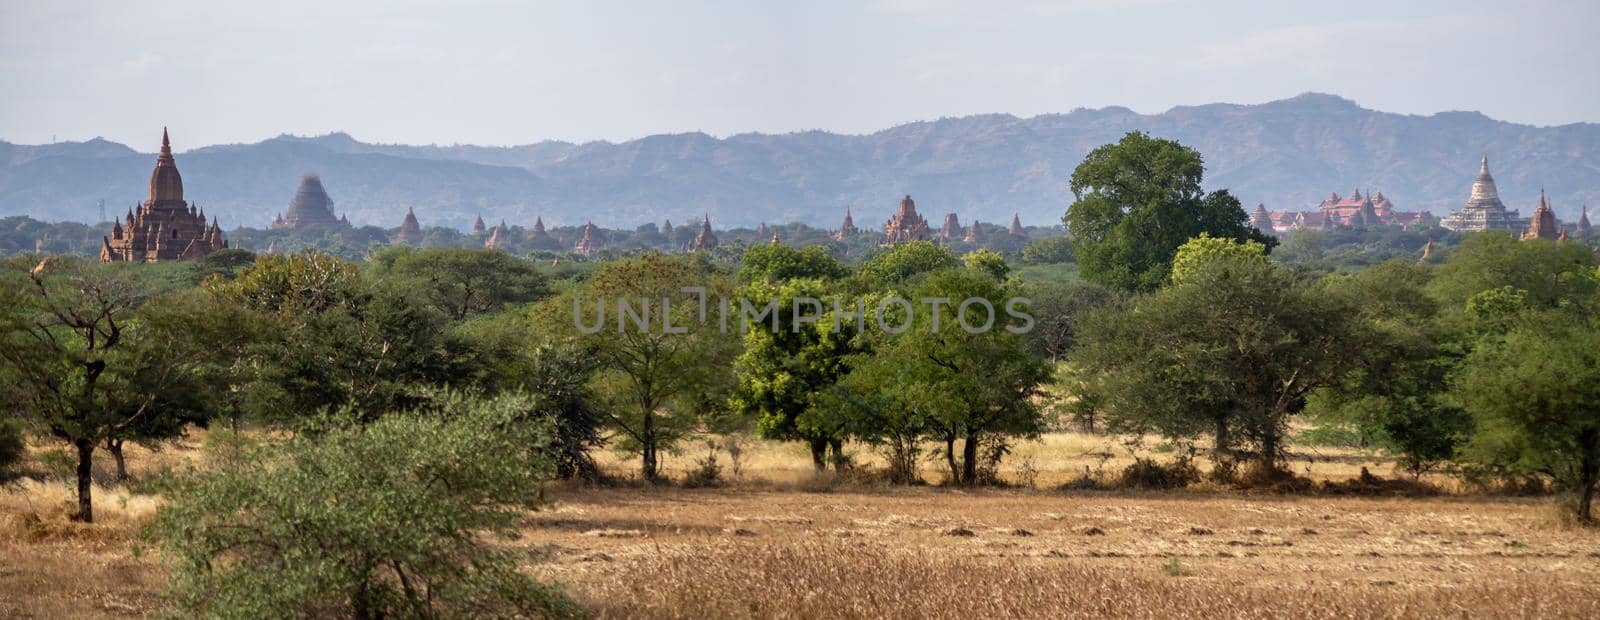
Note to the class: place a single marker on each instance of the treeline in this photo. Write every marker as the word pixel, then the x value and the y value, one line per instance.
pixel 467 376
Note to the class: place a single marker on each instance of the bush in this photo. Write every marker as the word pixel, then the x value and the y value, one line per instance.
pixel 707 473
pixel 388 519
pixel 1148 474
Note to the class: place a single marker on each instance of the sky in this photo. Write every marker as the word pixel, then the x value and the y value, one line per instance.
pixel 515 72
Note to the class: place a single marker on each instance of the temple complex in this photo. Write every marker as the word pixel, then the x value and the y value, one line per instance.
pixel 951 229
pixel 705 240
pixel 310 208
pixel 410 232
pixel 906 225
pixel 590 242
pixel 1543 224
pixel 164 227
pixel 1357 210
pixel 1483 210
pixel 847 229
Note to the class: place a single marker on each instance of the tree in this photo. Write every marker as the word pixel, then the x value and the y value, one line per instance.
pixel 653 379
pixel 1397 393
pixel 1548 274
pixel 788 363
pixel 331 339
pixel 1233 349
pixel 388 519
pixel 1136 201
pixel 1057 310
pixel 460 282
pixel 778 263
pixel 902 262
pixel 964 375
pixel 89 365
pixel 1195 253
pixel 1048 251
pixel 987 261
pixel 1535 396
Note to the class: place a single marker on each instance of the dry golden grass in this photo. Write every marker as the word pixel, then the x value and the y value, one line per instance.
pixel 766 547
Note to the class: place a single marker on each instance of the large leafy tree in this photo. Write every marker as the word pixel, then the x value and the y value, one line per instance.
pixel 94 361
pixel 949 376
pixel 1535 396
pixel 1234 349
pixel 1137 201
pixel 664 360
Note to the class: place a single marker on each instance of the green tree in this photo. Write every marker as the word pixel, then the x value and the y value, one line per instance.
pixel 963 374
pixel 1535 396
pixel 778 263
pixel 655 330
pixel 1057 310
pixel 1233 349
pixel 395 518
pixel 89 366
pixel 791 360
pixel 1048 251
pixel 460 282
pixel 987 261
pixel 901 262
pixel 1195 253
pixel 1549 274
pixel 1136 201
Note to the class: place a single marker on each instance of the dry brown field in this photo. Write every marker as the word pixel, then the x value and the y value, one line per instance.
pixel 776 542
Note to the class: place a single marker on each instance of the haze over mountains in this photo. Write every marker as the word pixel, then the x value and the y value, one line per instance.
pixel 1288 154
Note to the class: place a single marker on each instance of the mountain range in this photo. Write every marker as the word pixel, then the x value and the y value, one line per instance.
pixel 1287 154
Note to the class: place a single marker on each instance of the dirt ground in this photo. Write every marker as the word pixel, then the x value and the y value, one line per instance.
pixel 775 543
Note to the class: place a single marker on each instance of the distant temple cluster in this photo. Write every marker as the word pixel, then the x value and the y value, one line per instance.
pixel 1357 210
pixel 164 227
pixel 1484 211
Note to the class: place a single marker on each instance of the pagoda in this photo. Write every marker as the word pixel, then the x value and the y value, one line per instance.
pixel 1016 225
pixel 310 207
pixel 164 227
pixel 589 243
pixel 1261 220
pixel 477 225
pixel 951 228
pixel 906 225
pixel 494 236
pixel 975 235
pixel 1543 225
pixel 1483 210
pixel 410 232
pixel 847 229
pixel 1583 223
pixel 705 240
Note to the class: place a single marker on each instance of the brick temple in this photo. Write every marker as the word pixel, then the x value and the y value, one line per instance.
pixel 164 227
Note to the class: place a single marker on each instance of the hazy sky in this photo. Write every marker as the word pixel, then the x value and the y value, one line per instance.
pixel 491 72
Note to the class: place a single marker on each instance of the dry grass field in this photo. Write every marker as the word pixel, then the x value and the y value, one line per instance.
pixel 775 542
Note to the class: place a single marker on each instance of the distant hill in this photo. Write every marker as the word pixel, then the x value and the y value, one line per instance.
pixel 1288 154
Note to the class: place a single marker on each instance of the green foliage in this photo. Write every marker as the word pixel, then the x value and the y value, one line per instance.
pixel 987 261
pixel 12 445
pixel 460 282
pixel 1048 251
pixel 1057 309
pixel 1549 274
pixel 1242 341
pixel 900 263
pixel 1136 202
pixel 390 519
pixel 654 384
pixel 779 263
pixel 1535 396
pixel 1195 253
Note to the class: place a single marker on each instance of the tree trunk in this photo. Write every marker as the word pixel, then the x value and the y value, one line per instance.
pixel 819 454
pixel 837 446
pixel 969 460
pixel 1220 442
pixel 85 480
pixel 1269 450
pixel 115 447
pixel 950 457
pixel 648 438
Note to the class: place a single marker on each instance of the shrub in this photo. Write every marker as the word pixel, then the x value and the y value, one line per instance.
pixel 387 519
pixel 1148 474
pixel 706 473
